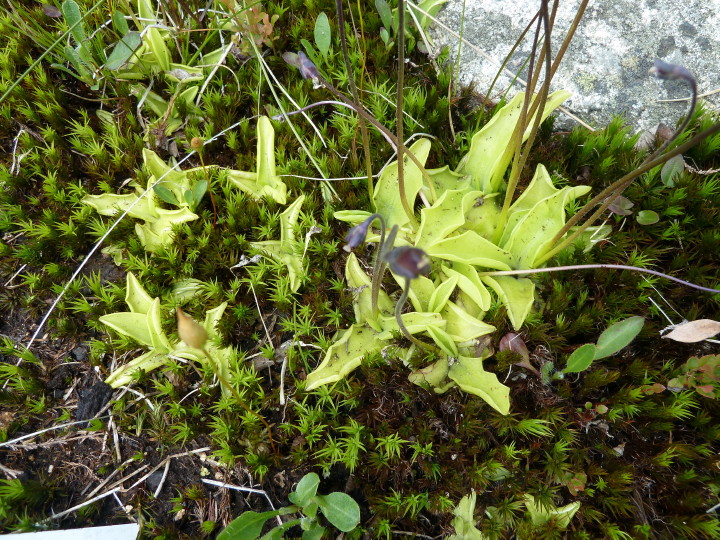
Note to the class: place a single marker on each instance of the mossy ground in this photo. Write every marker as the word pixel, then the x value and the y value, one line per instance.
pixel 643 461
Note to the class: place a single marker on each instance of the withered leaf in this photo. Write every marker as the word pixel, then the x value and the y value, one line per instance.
pixel 694 331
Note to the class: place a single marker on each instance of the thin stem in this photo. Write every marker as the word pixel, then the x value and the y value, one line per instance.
pixel 240 400
pixel 398 311
pixel 604 266
pixel 507 58
pixel 209 185
pixel 399 113
pixel 616 189
pixel 380 264
pixel 356 97
pixel 389 135
pixel 538 106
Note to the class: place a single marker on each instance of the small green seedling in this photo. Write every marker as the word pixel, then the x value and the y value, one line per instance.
pixel 287 250
pixel 541 514
pixel 143 324
pixel 339 509
pixel 611 341
pixel 702 374
pixel 464 520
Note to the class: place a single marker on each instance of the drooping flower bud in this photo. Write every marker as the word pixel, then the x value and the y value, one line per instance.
pixel 357 234
pixel 308 70
pixel 671 72
pixel 190 332
pixel 408 262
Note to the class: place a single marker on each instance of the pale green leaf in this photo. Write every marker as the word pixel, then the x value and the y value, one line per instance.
pixel 133 325
pixel 442 293
pixel 124 375
pixel 470 283
pixel 490 149
pixel 540 514
pixel 434 375
pixel 158 339
pixel 445 216
pixel 516 294
pixel 212 317
pixel 531 236
pixel 344 356
pixel 443 340
pixel 137 299
pixel 414 322
pixel 464 520
pixel 387 195
pixel 463 327
pixel 471 248
pixel 110 204
pixel 158 49
pixel 470 376
pixel 267 179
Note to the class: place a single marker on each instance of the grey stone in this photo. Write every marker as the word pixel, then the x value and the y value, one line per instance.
pixel 606 66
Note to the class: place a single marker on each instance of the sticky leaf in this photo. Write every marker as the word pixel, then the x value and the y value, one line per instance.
pixel 344 356
pixel 470 376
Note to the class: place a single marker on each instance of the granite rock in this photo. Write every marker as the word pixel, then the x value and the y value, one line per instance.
pixel 606 66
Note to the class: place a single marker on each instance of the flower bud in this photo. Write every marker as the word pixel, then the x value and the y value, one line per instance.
pixel 408 262
pixel 190 332
pixel 357 234
pixel 671 72
pixel 196 143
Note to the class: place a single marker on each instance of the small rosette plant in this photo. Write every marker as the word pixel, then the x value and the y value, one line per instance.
pixel 467 234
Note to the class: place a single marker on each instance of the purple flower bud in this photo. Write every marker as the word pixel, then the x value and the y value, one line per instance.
pixel 357 234
pixel 671 72
pixel 308 70
pixel 408 262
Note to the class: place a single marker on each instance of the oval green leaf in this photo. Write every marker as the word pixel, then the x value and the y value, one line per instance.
pixel 647 217
pixel 580 359
pixel 305 490
pixel 123 50
pixel 246 527
pixel 322 34
pixel 618 336
pixel 672 168
pixel 340 509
